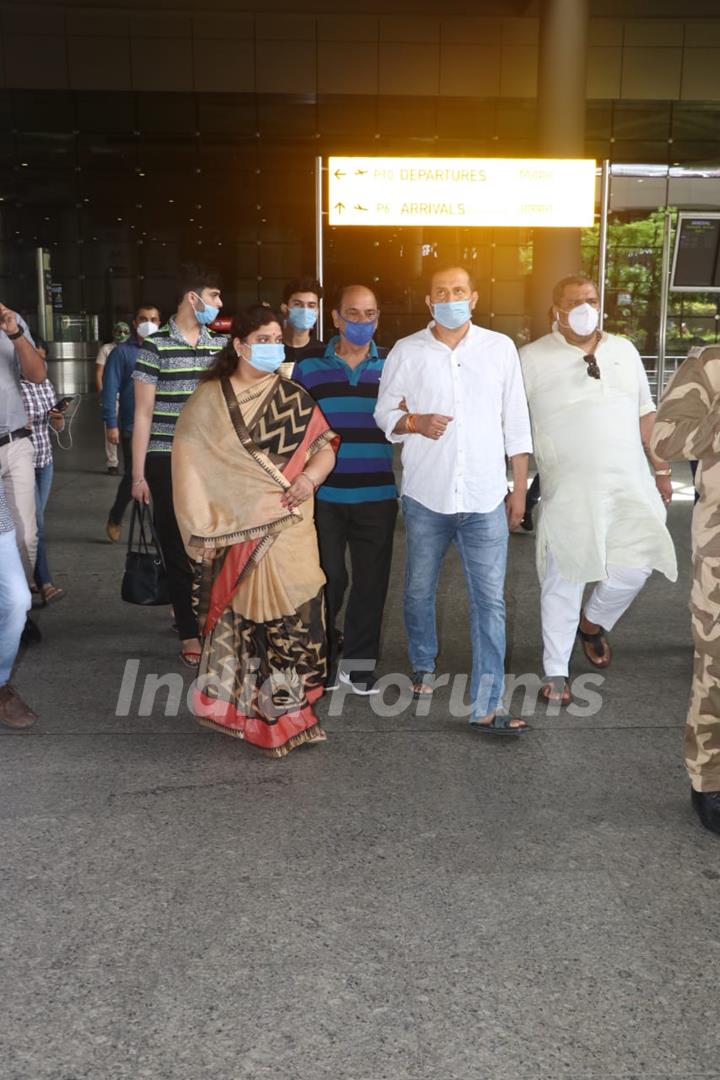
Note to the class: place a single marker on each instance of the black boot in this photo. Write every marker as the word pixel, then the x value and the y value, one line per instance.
pixel 707 807
pixel 31 634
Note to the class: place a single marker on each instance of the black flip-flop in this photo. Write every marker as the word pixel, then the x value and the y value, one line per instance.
pixel 420 677
pixel 500 725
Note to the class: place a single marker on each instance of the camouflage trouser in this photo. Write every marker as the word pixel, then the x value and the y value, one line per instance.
pixel 702 733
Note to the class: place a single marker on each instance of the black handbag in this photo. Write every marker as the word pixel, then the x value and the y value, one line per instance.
pixel 145 579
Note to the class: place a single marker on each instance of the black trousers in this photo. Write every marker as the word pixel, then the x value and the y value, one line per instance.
pixel 124 491
pixel 533 495
pixel 367 529
pixel 159 477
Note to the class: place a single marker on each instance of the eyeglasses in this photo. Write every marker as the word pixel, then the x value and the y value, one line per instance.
pixel 592 366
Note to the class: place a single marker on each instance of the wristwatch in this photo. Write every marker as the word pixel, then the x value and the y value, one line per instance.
pixel 18 333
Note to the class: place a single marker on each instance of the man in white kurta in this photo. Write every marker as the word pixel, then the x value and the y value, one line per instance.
pixel 602 516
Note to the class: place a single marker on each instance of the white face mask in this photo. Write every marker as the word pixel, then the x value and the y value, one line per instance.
pixel 146 328
pixel 582 319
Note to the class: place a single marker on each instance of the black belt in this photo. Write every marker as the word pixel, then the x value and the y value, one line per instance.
pixel 11 436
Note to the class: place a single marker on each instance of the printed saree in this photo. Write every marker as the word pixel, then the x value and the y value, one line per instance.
pixel 259 586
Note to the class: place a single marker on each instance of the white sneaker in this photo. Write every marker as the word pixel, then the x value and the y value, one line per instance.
pixel 363 683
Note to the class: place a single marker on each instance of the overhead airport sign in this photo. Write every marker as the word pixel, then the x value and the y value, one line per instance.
pixel 558 193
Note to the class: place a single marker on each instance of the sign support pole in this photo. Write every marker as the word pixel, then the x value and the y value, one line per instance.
pixel 42 272
pixel 603 235
pixel 664 303
pixel 319 258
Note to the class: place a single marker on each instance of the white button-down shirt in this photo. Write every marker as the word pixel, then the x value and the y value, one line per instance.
pixel 479 384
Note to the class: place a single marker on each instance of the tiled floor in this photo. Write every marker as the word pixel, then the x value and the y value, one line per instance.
pixel 407 902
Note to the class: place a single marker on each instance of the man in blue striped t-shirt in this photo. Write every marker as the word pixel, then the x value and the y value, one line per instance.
pixel 356 507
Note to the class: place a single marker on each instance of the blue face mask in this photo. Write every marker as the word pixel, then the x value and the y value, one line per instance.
pixel 207 315
pixel 267 356
pixel 452 315
pixel 302 318
pixel 359 333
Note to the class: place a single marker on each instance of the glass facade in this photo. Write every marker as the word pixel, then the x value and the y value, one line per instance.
pixel 122 186
pixel 640 198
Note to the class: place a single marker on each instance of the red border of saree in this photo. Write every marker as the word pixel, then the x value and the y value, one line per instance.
pixel 278 739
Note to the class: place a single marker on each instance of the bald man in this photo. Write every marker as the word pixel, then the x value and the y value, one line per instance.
pixel 356 507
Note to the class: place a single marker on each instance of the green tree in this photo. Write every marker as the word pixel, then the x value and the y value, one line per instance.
pixel 633 286
pixel 633 277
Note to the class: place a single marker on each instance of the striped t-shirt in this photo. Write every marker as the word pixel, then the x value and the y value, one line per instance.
pixel 347 397
pixel 174 368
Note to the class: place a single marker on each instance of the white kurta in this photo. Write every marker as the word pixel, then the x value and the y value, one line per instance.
pixel 600 505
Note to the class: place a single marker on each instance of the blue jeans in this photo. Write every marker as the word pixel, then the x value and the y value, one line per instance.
pixel 15 602
pixel 481 540
pixel 43 483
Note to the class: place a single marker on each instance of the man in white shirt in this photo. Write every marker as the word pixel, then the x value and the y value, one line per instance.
pixel 602 516
pixel 452 394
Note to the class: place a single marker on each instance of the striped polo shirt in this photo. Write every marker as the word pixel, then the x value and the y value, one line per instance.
pixel 347 397
pixel 173 367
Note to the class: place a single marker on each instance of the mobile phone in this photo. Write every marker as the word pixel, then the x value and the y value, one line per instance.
pixel 62 404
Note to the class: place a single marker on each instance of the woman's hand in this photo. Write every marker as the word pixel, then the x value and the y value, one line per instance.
pixel 299 491
pixel 140 491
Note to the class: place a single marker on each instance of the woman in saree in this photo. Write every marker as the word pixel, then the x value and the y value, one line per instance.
pixel 250 450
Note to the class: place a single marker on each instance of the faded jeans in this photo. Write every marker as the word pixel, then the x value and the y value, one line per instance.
pixel 43 483
pixel 15 602
pixel 481 540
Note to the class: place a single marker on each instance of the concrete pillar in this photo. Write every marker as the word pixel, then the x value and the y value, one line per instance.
pixel 561 133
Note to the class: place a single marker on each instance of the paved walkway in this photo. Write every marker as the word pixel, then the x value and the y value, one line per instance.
pixel 409 902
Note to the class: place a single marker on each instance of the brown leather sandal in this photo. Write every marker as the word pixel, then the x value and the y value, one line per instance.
pixel 52 593
pixel 596 647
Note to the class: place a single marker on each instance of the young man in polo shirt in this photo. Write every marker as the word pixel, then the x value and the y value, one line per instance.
pixel 356 507
pixel 167 371
pixel 300 309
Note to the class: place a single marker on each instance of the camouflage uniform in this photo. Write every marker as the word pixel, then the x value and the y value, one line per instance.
pixel 688 426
